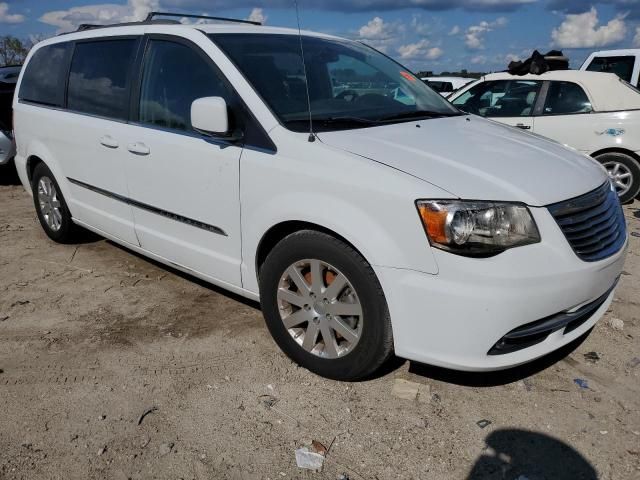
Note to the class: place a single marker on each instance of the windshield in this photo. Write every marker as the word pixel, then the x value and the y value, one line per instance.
pixel 350 85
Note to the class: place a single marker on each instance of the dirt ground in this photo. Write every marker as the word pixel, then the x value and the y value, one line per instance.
pixel 92 336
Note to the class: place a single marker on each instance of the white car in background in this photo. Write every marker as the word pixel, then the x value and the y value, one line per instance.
pixel 445 86
pixel 624 63
pixel 597 114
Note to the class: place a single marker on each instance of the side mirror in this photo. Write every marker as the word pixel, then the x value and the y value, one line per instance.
pixel 209 116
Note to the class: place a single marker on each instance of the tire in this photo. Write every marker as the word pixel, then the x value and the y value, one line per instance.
pixel 355 308
pixel 51 207
pixel 624 170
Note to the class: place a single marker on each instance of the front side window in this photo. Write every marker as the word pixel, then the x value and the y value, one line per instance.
pixel 43 80
pixel 350 84
pixel 500 98
pixel 565 98
pixel 174 76
pixel 100 76
pixel 621 66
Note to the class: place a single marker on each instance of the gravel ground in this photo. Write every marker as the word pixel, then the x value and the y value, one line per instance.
pixel 92 336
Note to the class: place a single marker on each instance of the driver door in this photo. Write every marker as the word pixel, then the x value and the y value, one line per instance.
pixel 184 186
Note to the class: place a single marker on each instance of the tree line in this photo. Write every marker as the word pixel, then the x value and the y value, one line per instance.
pixel 14 50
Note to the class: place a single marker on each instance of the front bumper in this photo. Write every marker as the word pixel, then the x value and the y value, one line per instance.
pixel 455 318
pixel 7 148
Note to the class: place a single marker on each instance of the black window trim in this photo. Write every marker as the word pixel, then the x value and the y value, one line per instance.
pixel 262 143
pixel 546 93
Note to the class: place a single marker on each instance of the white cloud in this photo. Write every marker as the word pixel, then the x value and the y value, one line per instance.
pixel 257 15
pixel 636 38
pixel 378 29
pixel 70 19
pixel 380 34
pixel 474 35
pixel 455 30
pixel 419 50
pixel 478 59
pixel 434 53
pixel 6 17
pixel 583 31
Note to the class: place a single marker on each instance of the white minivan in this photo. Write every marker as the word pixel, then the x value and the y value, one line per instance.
pixel 365 225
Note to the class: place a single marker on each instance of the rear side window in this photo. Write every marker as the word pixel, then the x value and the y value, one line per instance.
pixel 174 76
pixel 565 98
pixel 44 77
pixel 621 66
pixel 100 77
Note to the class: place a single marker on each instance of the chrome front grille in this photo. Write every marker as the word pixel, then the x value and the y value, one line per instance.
pixel 593 223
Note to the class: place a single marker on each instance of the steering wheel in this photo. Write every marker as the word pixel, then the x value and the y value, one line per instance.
pixel 348 95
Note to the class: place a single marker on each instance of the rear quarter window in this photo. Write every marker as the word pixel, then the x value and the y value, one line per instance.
pixel 44 77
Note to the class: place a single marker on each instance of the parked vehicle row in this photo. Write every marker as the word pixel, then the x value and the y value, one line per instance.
pixel 598 114
pixel 365 223
pixel 8 78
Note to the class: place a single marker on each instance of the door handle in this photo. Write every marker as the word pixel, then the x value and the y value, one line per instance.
pixel 109 142
pixel 523 126
pixel 139 148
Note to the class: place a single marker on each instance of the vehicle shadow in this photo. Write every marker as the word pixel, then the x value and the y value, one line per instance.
pixel 502 377
pixel 190 278
pixel 512 454
pixel 470 379
pixel 9 175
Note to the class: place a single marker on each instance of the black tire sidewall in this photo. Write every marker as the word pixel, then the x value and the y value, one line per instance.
pixel 373 348
pixel 65 233
pixel 634 167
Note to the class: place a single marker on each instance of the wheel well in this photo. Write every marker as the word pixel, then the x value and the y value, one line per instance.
pixel 616 150
pixel 32 163
pixel 278 232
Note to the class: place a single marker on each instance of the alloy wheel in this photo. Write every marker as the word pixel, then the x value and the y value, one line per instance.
pixel 620 176
pixel 320 308
pixel 50 205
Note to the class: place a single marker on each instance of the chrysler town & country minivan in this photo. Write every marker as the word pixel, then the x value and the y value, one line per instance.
pixel 365 224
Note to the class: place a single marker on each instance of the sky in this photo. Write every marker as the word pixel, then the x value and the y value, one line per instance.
pixel 424 35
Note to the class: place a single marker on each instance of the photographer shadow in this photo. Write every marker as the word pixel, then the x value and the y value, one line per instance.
pixel 513 454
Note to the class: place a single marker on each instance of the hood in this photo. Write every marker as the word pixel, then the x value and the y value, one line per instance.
pixel 478 159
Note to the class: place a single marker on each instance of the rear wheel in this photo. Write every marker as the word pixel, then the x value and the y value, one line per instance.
pixel 325 307
pixel 624 172
pixel 51 207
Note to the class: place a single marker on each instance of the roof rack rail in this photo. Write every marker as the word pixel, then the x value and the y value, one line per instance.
pixel 203 17
pixel 93 26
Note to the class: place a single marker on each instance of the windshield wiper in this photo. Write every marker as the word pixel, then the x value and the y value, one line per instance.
pixel 346 119
pixel 416 115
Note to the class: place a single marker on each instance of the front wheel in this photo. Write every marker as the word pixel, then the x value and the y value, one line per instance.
pixel 324 306
pixel 624 172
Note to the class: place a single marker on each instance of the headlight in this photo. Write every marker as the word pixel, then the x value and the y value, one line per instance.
pixel 478 229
